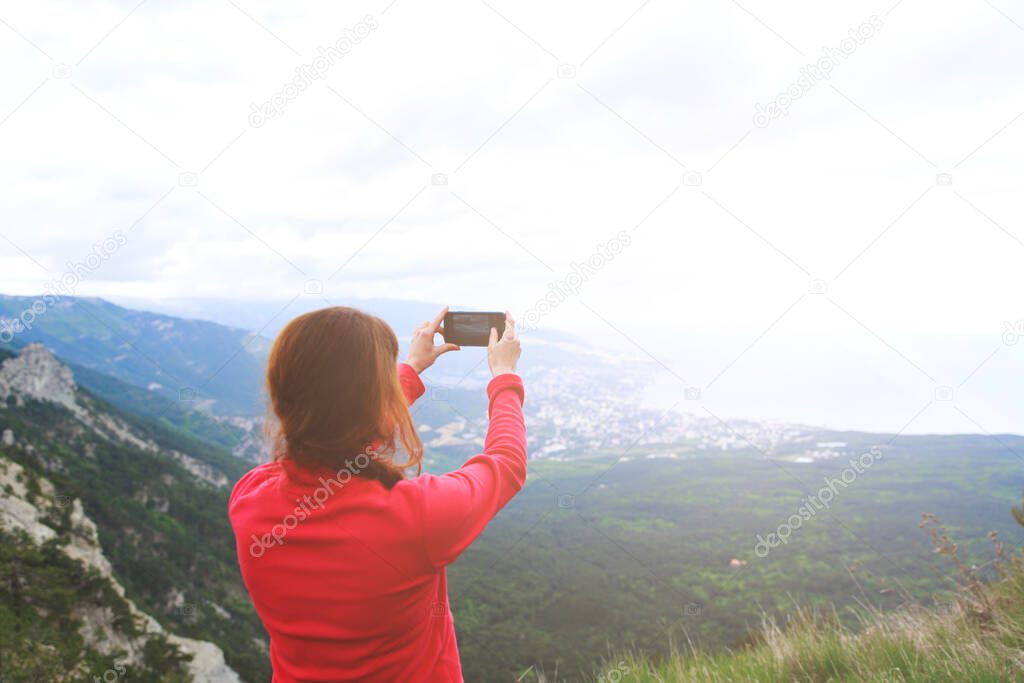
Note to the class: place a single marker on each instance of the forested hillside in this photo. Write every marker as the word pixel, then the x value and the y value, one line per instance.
pixel 598 555
pixel 200 363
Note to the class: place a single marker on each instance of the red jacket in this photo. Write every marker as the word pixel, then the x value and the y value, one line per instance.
pixel 349 576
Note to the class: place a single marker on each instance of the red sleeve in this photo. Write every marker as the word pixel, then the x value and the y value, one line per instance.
pixel 412 385
pixel 457 506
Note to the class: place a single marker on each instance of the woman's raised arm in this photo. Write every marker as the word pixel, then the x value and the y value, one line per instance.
pixel 457 506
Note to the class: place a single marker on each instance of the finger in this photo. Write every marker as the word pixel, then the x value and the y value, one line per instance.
pixel 494 337
pixel 510 326
pixel 445 348
pixel 436 325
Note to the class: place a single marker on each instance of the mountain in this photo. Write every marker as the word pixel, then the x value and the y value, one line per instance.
pixel 116 540
pixel 197 363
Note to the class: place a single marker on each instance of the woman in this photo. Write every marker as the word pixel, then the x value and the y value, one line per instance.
pixel 344 555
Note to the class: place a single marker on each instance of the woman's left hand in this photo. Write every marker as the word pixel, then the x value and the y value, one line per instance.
pixel 422 350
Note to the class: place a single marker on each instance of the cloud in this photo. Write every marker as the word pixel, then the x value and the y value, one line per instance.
pixel 556 127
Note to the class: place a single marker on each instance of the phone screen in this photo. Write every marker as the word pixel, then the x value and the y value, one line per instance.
pixel 472 328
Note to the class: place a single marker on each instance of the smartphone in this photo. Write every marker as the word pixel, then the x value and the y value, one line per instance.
pixel 470 328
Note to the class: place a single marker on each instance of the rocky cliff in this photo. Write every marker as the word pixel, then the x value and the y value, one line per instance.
pixel 35 510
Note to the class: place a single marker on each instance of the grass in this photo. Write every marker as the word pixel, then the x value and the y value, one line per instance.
pixel 978 637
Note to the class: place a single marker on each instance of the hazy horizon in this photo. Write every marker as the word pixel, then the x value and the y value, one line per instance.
pixel 268 317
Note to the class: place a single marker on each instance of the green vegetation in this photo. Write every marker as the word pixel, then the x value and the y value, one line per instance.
pixel 979 638
pixel 171 414
pixel 42 591
pixel 597 555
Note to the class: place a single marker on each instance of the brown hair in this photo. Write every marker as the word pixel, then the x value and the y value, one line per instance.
pixel 334 392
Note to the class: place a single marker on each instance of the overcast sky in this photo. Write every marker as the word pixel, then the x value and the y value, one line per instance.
pixel 815 264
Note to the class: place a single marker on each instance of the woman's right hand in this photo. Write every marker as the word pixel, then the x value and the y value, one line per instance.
pixel 503 354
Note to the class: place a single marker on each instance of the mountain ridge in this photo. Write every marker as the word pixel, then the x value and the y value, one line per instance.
pixel 204 364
